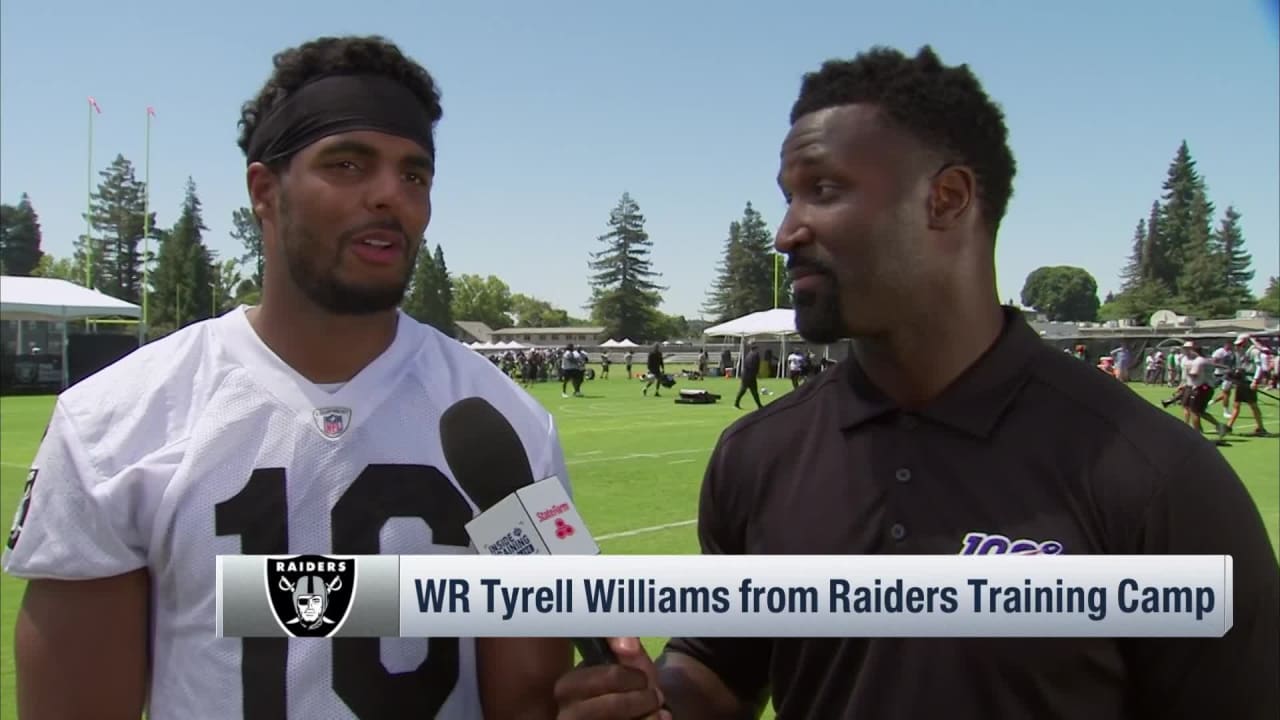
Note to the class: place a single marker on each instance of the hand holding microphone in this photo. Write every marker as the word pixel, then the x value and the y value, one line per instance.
pixel 519 516
pixel 625 689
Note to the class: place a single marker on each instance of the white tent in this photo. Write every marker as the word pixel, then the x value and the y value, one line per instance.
pixel 609 343
pixel 780 322
pixel 52 300
pixel 626 343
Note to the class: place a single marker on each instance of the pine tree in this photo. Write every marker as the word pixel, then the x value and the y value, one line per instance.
pixel 1270 300
pixel 1238 272
pixel 722 298
pixel 183 290
pixel 442 316
pixel 1179 217
pixel 1138 269
pixel 422 291
pixel 1159 272
pixel 20 238
pixel 746 272
pixel 116 217
pixel 1200 282
pixel 757 247
pixel 246 230
pixel 624 297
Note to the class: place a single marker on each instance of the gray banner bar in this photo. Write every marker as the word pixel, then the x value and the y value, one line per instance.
pixel 245 607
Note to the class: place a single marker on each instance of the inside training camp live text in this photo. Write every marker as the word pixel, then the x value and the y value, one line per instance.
pixel 838 595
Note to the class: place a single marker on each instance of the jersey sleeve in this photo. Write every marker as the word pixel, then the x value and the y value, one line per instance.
pixel 72 522
pixel 1205 509
pixel 742 664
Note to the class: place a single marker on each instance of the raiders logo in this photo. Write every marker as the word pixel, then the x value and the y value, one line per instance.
pixel 311 594
pixel 24 506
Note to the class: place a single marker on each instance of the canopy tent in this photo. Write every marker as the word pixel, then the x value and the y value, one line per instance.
pixel 491 346
pixel 52 300
pixel 780 322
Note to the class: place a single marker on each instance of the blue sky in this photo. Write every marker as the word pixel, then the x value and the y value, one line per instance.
pixel 554 109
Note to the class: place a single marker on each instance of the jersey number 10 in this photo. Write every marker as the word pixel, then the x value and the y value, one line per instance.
pixel 259 514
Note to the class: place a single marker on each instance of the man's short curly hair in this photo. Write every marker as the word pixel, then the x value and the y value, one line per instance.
pixel 943 107
pixel 325 56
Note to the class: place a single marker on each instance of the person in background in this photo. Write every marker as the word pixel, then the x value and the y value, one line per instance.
pixel 749 380
pixel 627 360
pixel 897 174
pixel 1120 363
pixel 1197 374
pixel 604 365
pixel 796 368
pixel 1248 375
pixel 1223 361
pixel 657 368
pixel 573 363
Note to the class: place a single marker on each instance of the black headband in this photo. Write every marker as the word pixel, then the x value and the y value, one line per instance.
pixel 341 103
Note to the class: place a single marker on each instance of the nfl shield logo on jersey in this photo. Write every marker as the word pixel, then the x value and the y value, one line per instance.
pixel 311 594
pixel 333 421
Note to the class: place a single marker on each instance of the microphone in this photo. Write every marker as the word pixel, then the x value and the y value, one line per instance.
pixel 518 516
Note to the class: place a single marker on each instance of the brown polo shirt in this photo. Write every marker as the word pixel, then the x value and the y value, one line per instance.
pixel 1031 450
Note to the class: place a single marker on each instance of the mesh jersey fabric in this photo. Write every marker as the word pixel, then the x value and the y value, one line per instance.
pixel 206 443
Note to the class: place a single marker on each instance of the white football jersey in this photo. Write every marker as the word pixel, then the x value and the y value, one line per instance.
pixel 205 443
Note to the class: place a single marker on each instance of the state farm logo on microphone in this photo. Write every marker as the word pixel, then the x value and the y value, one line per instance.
pixel 559 523
pixel 562 528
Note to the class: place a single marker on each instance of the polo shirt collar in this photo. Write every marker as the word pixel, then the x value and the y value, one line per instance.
pixel 974 402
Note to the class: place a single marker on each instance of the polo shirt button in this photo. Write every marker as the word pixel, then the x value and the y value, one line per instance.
pixel 898 531
pixel 902 475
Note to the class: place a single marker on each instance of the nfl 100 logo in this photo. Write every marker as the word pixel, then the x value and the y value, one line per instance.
pixel 333 421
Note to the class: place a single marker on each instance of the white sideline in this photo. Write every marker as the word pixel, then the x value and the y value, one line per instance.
pixel 643 530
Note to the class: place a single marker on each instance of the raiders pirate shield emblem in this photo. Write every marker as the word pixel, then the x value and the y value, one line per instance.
pixel 311 594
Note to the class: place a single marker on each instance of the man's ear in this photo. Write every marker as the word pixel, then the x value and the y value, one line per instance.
pixel 264 190
pixel 952 195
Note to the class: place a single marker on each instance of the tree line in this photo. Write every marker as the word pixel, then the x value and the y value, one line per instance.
pixel 171 269
pixel 1180 259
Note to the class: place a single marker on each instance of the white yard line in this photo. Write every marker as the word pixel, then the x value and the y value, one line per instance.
pixel 15 465
pixel 634 456
pixel 681 462
pixel 643 530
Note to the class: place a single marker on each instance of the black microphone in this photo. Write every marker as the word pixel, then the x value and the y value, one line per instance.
pixel 489 461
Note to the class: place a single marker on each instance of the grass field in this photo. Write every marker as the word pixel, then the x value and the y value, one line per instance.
pixel 635 462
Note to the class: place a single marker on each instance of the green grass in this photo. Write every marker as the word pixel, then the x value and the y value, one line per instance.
pixel 635 462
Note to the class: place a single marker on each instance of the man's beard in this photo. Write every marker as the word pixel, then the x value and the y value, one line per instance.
pixel 319 281
pixel 819 319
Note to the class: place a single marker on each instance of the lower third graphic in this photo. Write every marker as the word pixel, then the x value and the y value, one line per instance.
pixel 311 594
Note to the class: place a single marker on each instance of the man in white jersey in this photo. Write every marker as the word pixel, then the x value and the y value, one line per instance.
pixel 1197 373
pixel 1223 360
pixel 305 425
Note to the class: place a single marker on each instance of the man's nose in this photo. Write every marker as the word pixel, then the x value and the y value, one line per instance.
pixel 792 234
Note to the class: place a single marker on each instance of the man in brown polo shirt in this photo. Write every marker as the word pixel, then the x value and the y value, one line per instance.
pixel 897 173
